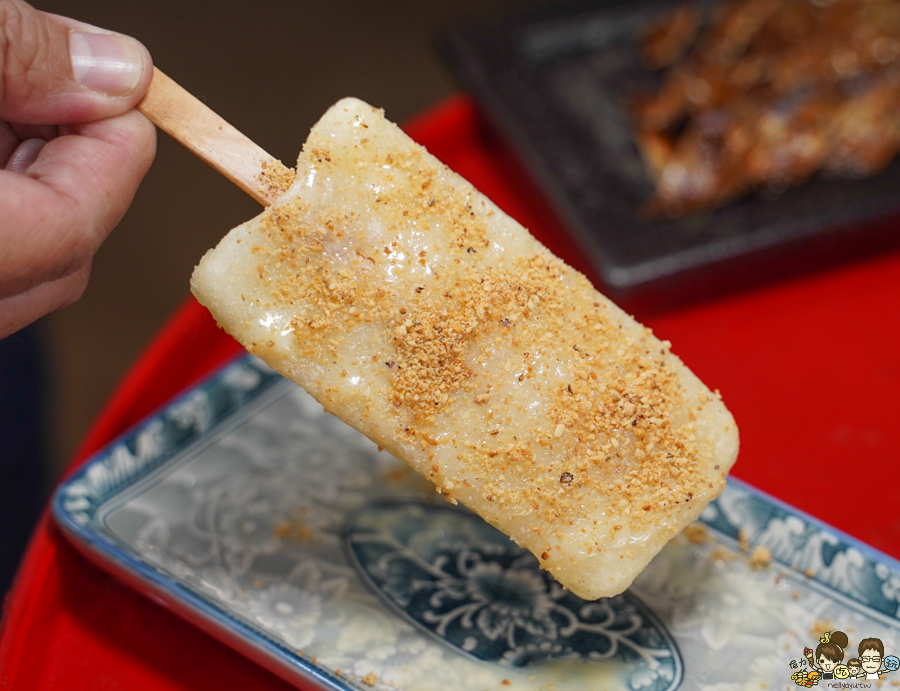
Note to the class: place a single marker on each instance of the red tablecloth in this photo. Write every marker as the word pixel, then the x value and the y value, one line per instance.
pixel 810 368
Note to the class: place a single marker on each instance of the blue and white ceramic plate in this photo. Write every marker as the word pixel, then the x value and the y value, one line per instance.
pixel 250 511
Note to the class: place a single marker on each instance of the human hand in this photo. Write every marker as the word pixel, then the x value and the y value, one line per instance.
pixel 72 153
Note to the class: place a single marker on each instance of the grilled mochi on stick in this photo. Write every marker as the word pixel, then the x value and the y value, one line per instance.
pixel 414 309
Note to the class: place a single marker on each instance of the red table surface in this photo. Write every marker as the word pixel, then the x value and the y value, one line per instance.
pixel 809 367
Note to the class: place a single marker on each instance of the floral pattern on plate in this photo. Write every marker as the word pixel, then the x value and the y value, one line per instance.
pixel 267 517
pixel 455 576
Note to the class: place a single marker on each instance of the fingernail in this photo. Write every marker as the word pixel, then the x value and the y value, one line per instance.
pixel 24 155
pixel 108 63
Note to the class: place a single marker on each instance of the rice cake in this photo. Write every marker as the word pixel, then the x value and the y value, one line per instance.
pixel 414 309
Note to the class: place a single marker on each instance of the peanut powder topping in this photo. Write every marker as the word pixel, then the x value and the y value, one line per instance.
pixel 609 425
pixel 412 307
pixel 275 176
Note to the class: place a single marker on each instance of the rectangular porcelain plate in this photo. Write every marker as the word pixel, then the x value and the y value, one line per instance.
pixel 247 509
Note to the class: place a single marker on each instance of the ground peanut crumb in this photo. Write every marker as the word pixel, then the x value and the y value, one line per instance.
pixel 371 679
pixel 295 528
pixel 722 554
pixel 276 177
pixel 696 533
pixel 761 557
pixel 820 626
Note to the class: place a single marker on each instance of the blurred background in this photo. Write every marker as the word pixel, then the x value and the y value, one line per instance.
pixel 269 67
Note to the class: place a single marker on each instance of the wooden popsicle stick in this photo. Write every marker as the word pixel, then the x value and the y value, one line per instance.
pixel 212 139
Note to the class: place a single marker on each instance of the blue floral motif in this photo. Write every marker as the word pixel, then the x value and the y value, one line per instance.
pixel 462 580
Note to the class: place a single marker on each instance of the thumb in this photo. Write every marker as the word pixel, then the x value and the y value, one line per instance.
pixel 55 71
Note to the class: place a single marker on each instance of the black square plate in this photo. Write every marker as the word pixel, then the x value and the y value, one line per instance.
pixel 554 80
